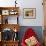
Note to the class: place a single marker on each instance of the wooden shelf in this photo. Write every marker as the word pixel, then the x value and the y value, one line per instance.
pixel 9 43
pixel 11 26
pixel 4 13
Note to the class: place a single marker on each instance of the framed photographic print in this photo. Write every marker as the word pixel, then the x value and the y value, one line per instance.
pixel 29 13
pixel 5 12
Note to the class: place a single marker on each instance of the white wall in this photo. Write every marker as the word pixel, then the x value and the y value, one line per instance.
pixel 39 12
pixel 27 4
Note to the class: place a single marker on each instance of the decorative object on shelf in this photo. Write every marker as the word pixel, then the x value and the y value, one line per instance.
pixel 7 34
pixel 6 21
pixel 15 37
pixel 29 13
pixel 5 12
pixel 13 12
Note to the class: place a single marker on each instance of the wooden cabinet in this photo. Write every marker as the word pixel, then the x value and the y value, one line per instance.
pixel 9 23
pixel 10 43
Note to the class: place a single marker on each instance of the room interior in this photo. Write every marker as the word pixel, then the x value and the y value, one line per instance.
pixel 16 16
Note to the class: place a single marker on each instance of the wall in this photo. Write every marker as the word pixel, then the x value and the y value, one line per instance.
pixel 27 4
pixel 39 12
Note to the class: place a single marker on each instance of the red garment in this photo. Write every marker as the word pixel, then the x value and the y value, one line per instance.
pixel 29 33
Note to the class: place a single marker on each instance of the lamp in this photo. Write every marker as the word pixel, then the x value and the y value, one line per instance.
pixel 15 3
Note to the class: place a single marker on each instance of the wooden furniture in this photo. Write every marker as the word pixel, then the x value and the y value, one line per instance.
pixel 11 26
pixel 8 23
pixel 10 43
pixel 44 7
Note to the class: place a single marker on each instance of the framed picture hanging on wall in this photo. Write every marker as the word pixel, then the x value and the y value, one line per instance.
pixel 29 13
